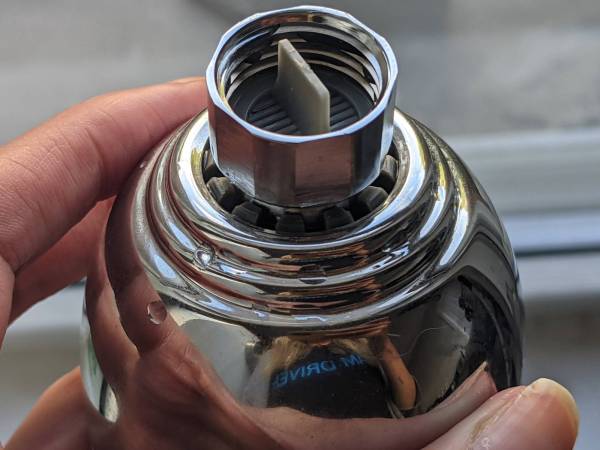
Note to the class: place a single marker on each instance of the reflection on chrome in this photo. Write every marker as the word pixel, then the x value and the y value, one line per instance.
pixel 384 316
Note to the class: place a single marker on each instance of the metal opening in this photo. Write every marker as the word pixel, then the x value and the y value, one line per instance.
pixel 356 64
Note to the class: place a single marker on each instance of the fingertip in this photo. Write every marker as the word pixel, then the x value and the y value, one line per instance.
pixel 547 390
pixel 475 390
pixel 544 416
pixel 541 416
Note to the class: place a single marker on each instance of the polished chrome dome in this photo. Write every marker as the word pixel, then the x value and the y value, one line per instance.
pixel 416 261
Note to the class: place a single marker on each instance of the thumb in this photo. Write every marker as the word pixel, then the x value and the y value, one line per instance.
pixel 59 420
pixel 541 416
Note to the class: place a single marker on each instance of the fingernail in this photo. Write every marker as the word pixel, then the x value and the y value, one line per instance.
pixel 469 420
pixel 550 388
pixel 186 80
pixel 544 415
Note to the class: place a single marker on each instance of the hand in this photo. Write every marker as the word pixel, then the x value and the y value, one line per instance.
pixel 57 182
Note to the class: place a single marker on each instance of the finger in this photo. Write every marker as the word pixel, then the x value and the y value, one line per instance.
pixel 144 316
pixel 142 313
pixel 114 351
pixel 7 279
pixel 479 385
pixel 54 174
pixel 175 378
pixel 59 420
pixel 542 416
pixel 64 263
pixel 302 431
pixel 170 371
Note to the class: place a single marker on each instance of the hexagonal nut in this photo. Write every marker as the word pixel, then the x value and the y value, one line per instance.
pixel 291 170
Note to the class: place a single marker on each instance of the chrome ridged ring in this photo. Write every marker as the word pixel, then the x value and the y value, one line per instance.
pixel 242 273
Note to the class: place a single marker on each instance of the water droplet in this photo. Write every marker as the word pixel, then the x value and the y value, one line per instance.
pixel 204 256
pixel 157 312
pixel 312 274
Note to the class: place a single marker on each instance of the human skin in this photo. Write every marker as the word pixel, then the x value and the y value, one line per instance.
pixel 56 188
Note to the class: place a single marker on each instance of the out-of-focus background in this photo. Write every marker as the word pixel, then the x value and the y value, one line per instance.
pixel 513 86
